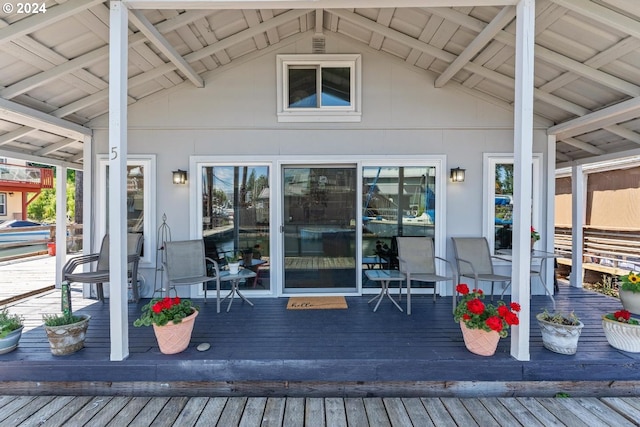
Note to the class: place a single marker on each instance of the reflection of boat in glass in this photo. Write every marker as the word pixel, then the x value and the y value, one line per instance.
pixel 19 233
pixel 412 225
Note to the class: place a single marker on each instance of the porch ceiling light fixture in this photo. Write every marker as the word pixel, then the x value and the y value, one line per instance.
pixel 457 175
pixel 179 176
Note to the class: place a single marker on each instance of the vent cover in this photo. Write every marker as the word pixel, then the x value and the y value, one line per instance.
pixel 317 44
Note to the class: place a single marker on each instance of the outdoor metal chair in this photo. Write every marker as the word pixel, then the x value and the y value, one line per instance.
pixel 474 260
pixel 99 273
pixel 186 264
pixel 417 259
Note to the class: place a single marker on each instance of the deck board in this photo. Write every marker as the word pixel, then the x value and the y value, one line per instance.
pixel 103 411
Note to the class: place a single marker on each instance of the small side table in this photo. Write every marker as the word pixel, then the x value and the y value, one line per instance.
pixel 384 277
pixel 225 276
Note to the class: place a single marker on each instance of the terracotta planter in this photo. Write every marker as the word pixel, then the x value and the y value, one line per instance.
pixel 174 337
pixel 478 341
pixel 10 342
pixel 67 339
pixel 559 338
pixel 622 336
pixel 630 301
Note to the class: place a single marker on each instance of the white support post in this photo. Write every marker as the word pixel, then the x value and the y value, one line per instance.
pixel 550 214
pixel 61 222
pixel 88 226
pixel 578 208
pixel 523 161
pixel 117 226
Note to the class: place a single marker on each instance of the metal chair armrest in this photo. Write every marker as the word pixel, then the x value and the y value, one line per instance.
pixel 501 259
pixel 71 265
pixel 473 270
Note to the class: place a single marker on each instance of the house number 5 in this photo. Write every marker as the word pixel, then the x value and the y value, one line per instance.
pixel 114 151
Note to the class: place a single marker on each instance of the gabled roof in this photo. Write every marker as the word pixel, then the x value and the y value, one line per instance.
pixel 54 65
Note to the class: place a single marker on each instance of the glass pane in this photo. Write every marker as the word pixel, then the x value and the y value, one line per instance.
pixel 336 87
pixel 302 88
pixel 503 205
pixel 319 230
pixel 397 201
pixel 235 217
pixel 135 199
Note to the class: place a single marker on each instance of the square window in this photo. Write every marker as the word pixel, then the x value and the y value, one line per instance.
pixel 319 88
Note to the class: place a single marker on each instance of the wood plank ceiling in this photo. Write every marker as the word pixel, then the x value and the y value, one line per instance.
pixel 54 65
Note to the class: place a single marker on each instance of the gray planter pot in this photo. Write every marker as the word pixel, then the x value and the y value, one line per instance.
pixel 10 342
pixel 630 301
pixel 67 339
pixel 558 338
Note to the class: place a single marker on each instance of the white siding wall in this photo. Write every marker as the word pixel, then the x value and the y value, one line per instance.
pixel 402 114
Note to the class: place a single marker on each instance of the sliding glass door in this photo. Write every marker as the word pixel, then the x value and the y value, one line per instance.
pixel 319 228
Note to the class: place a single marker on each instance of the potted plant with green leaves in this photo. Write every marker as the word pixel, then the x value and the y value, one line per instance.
pixel 66 332
pixel 483 325
pixel 172 320
pixel 560 332
pixel 11 326
pixel 622 331
pixel 233 261
pixel 629 292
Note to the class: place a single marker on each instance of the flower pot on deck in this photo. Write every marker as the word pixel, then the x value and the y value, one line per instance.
pixel 562 339
pixel 175 337
pixel 10 341
pixel 630 301
pixel 479 341
pixel 623 336
pixel 67 339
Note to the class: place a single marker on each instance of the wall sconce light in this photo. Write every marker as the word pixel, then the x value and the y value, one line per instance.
pixel 10 193
pixel 457 175
pixel 179 176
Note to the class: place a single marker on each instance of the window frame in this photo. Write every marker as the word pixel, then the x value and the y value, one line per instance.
pixel 148 163
pixel 3 204
pixel 351 113
pixel 490 161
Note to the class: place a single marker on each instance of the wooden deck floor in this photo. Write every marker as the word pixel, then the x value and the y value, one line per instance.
pixel 267 350
pixel 119 411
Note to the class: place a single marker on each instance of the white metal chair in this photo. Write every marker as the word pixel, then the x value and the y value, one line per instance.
pixel 417 259
pixel 99 274
pixel 474 260
pixel 186 264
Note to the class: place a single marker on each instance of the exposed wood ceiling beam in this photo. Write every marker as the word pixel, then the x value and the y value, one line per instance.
pixel 16 134
pixel 18 113
pixel 152 33
pixel 29 157
pixel 612 115
pixel 384 18
pixel 193 56
pixel 54 147
pixel 603 15
pixel 505 16
pixel 40 20
pixel 583 146
pixel 303 4
pixel 623 132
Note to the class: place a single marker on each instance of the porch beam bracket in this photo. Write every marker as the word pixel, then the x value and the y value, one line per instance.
pixel 154 36
pixel 504 17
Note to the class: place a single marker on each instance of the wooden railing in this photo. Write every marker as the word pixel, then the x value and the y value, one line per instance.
pixel 17 177
pixel 610 251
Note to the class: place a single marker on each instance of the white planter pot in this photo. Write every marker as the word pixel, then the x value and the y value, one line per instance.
pixel 622 336
pixel 558 338
pixel 630 301
pixel 234 267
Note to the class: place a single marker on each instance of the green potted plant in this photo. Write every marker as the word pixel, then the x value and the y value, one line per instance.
pixel 622 331
pixel 535 236
pixel 172 320
pixel 483 325
pixel 11 326
pixel 66 332
pixel 629 291
pixel 560 332
pixel 233 261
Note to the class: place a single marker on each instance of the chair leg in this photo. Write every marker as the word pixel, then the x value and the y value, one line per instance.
pixel 100 292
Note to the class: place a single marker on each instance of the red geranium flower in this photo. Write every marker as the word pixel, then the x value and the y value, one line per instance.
pixel 511 319
pixel 462 288
pixel 503 310
pixel 494 323
pixel 622 315
pixel 475 306
pixel 466 317
pixel 515 307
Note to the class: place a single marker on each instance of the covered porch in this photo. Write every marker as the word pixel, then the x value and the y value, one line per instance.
pixel 268 350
